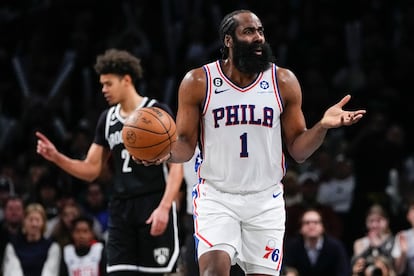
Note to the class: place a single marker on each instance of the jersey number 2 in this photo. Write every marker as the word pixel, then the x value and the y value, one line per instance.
pixel 126 156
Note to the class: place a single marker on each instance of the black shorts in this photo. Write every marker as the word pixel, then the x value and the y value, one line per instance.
pixel 130 247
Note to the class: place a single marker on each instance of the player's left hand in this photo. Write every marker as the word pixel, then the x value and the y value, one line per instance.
pixel 335 116
pixel 158 220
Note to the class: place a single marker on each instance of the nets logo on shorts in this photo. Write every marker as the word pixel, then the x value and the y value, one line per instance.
pixel 161 255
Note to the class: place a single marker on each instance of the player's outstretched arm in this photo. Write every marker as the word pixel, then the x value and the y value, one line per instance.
pixel 88 169
pixel 300 141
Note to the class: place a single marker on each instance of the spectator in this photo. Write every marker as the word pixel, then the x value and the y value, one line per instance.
pixel 47 193
pixel 30 253
pixel 61 227
pixel 84 255
pixel 403 250
pixel 378 240
pixel 309 185
pixel 35 172
pixel 96 204
pixel 12 222
pixel 6 190
pixel 337 192
pixel 13 215
pixel 379 265
pixel 9 169
pixel 313 252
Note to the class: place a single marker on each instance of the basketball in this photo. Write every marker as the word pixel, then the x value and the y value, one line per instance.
pixel 148 133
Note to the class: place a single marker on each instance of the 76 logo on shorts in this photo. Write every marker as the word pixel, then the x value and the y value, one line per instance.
pixel 272 252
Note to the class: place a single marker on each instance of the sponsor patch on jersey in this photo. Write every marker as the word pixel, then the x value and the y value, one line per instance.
pixel 264 85
pixel 217 82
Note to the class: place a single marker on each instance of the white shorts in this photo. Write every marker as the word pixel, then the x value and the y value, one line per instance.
pixel 249 227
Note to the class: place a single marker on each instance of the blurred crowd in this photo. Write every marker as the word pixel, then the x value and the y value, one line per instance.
pixel 365 48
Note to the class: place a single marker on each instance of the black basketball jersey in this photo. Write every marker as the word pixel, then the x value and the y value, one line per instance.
pixel 130 179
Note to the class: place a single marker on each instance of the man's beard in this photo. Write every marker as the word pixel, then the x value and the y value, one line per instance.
pixel 247 61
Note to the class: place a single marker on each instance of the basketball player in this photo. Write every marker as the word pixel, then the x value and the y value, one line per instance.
pixel 240 108
pixel 142 230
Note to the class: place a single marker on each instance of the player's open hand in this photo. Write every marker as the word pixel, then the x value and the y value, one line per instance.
pixel 335 116
pixel 45 147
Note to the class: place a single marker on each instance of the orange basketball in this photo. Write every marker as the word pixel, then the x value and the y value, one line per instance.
pixel 148 133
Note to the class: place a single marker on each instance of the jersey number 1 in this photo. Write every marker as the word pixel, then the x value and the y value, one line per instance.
pixel 243 141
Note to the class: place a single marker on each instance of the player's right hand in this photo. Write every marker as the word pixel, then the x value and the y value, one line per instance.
pixel 155 162
pixel 45 147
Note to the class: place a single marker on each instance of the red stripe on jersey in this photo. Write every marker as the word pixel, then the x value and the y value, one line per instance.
pixel 209 83
pixel 276 86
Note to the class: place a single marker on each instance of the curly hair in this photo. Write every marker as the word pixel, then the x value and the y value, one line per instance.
pixel 119 62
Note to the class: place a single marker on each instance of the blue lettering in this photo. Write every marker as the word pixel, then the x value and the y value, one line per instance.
pixel 232 112
pixel 268 116
pixel 252 121
pixel 218 114
pixel 243 114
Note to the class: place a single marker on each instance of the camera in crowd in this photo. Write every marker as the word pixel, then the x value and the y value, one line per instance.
pixel 373 270
pixel 376 266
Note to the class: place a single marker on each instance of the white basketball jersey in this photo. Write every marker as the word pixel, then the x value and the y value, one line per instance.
pixel 87 265
pixel 241 133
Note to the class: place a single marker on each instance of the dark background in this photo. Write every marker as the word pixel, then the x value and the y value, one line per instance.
pixel 365 48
